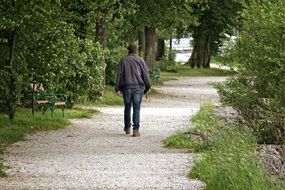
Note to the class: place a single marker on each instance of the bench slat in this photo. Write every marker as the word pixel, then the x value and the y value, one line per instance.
pixel 42 102
pixel 60 103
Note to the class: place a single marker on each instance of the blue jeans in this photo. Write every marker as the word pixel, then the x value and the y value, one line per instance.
pixel 132 97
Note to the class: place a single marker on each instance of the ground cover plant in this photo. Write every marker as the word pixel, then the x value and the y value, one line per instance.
pixel 109 97
pixel 228 159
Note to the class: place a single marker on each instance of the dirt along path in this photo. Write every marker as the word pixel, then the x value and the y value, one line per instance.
pixel 96 154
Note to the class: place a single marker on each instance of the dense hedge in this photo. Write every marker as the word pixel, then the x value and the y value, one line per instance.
pixel 258 91
pixel 45 50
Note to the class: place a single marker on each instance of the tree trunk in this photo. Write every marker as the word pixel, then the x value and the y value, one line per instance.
pixel 170 48
pixel 192 60
pixel 101 37
pixel 12 102
pixel 160 49
pixel 150 34
pixel 200 56
pixel 82 31
pixel 101 32
pixel 207 60
pixel 141 43
pixel 201 51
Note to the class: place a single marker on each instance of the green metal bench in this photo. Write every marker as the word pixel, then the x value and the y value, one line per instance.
pixel 47 101
pixel 154 75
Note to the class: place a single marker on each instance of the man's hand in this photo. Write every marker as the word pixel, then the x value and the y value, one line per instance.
pixel 118 93
pixel 146 90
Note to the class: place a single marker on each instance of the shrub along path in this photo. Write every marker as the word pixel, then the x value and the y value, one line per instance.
pixel 96 154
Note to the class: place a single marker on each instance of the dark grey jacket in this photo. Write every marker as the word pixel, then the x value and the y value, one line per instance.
pixel 132 73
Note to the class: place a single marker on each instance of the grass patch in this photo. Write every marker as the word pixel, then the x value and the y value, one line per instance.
pixel 206 111
pixel 178 141
pixel 80 113
pixel 194 72
pixel 195 138
pixel 2 170
pixel 228 160
pixel 218 60
pixel 232 164
pixel 25 123
pixel 109 97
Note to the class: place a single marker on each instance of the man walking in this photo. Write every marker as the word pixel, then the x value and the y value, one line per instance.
pixel 132 81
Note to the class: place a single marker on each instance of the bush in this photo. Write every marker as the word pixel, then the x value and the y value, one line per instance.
pixel 229 160
pixel 231 163
pixel 112 59
pixel 169 65
pixel 86 73
pixel 258 91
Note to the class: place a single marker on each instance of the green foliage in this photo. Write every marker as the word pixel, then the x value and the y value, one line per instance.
pixel 206 111
pixel 218 59
pixel 202 128
pixel 109 97
pixel 232 164
pixel 86 77
pixel 25 123
pixel 215 18
pixel 47 51
pixel 258 91
pixel 171 54
pixel 186 71
pixel 169 65
pixel 14 17
pixel 178 141
pixel 112 59
pixel 229 159
pixel 162 14
pixel 2 170
pixel 79 113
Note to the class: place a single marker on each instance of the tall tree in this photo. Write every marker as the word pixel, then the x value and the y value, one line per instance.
pixel 215 17
pixel 155 14
pixel 141 38
pixel 93 17
pixel 78 14
pixel 104 13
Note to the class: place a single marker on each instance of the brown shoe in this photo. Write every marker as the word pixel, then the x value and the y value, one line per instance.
pixel 127 130
pixel 136 133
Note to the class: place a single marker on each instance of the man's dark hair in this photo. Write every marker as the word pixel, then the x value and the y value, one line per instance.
pixel 132 48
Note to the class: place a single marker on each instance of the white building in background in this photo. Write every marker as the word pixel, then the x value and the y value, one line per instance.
pixel 182 48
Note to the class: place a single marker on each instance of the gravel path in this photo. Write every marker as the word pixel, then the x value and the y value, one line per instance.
pixel 96 154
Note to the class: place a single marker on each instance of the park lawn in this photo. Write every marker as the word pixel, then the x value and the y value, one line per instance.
pixel 186 71
pixel 24 123
pixel 198 72
pixel 109 97
pixel 228 154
